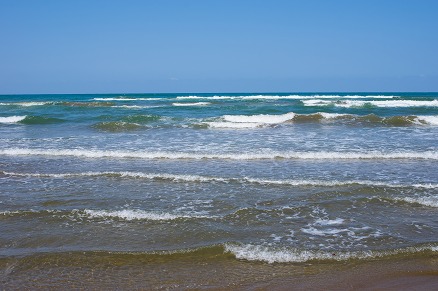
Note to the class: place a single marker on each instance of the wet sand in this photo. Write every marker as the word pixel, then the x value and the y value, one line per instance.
pixel 103 272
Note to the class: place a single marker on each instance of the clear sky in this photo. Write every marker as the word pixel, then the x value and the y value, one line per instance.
pixel 91 46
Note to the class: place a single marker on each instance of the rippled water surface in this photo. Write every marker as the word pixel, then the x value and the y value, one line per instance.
pixel 274 178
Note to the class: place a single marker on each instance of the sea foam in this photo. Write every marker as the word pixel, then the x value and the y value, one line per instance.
pixel 12 119
pixel 378 103
pixel 208 179
pixel 431 201
pixel 135 214
pixel 285 97
pixel 289 255
pixel 320 155
pixel 261 118
pixel 191 104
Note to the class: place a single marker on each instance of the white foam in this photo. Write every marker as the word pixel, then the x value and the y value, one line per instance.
pixel 135 214
pixel 336 221
pixel 332 115
pixel 432 120
pixel 133 106
pixel 127 99
pixel 219 124
pixel 27 104
pixel 431 201
pixel 266 254
pixel 164 176
pixel 386 103
pixel 285 97
pixel 261 118
pixel 270 255
pixel 197 178
pixel 12 119
pixel 324 232
pixel 426 155
pixel 191 104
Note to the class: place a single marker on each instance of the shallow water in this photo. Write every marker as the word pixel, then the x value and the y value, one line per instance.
pixel 271 178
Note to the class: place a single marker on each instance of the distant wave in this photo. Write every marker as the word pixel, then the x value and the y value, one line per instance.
pixel 207 179
pixel 26 104
pixel 386 103
pixel 134 106
pixel 261 120
pixel 321 155
pixel 280 97
pixel 127 99
pixel 86 104
pixel 191 104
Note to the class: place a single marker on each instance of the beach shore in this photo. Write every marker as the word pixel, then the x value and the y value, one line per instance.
pixel 103 271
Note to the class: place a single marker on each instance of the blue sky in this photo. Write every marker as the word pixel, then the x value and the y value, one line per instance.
pixel 217 46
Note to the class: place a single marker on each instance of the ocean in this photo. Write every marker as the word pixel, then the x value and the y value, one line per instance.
pixel 189 191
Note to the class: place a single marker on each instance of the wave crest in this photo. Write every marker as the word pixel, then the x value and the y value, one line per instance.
pixel 322 155
pixel 271 255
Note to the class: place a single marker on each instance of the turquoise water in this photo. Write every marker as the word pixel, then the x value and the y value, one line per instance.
pixel 286 178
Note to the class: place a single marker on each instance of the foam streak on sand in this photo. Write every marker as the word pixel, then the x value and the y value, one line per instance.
pixel 322 155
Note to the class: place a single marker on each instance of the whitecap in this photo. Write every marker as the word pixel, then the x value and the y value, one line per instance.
pixel 292 255
pixel 431 201
pixel 191 104
pixel 261 118
pixel 432 120
pixel 386 103
pixel 12 119
pixel 321 155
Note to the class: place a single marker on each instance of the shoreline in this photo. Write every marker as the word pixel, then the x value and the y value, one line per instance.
pixel 101 271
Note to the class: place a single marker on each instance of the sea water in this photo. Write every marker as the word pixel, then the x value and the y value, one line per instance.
pixel 268 178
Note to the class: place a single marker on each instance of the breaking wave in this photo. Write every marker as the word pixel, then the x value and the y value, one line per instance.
pixel 26 104
pixel 377 103
pixel 431 201
pixel 262 120
pixel 280 97
pixel 12 119
pixel 271 255
pixel 202 179
pixel 321 155
pixel 30 119
pixel 191 104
